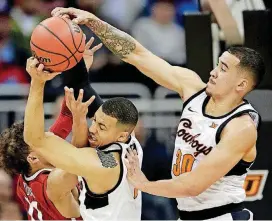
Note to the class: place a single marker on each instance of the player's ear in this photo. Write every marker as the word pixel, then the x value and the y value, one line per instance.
pixel 123 137
pixel 242 85
pixel 32 158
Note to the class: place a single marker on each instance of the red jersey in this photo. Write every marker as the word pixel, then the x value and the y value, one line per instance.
pixel 31 191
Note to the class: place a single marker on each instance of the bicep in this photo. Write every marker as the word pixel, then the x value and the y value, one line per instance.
pixel 60 183
pixel 63 155
pixel 174 78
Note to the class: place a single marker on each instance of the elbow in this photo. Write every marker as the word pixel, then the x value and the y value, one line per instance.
pixel 195 190
pixel 32 141
pixel 190 191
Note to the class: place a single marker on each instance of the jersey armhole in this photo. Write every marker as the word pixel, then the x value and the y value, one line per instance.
pixel 186 102
pixel 222 126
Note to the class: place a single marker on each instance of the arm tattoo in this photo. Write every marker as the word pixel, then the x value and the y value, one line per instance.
pixel 107 159
pixel 120 43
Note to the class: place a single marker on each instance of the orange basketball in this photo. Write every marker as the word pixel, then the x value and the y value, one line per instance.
pixel 58 43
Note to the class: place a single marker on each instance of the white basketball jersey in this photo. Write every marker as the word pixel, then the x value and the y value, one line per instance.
pixel 197 135
pixel 123 202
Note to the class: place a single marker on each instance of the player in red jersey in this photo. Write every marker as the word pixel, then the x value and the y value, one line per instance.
pixel 45 192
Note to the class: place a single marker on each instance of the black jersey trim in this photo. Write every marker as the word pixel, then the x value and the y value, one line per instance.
pixel 105 146
pixel 220 129
pixel 129 140
pixel 211 213
pixel 219 117
pixel 192 97
pixel 92 194
pixel 241 167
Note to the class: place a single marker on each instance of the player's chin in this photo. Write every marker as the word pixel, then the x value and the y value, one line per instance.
pixel 93 143
pixel 209 90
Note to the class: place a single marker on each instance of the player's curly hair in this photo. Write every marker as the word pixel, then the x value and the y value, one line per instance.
pixel 14 150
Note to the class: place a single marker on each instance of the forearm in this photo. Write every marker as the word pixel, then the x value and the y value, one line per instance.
pixel 79 133
pixel 172 188
pixel 63 124
pixel 34 114
pixel 132 52
pixel 117 41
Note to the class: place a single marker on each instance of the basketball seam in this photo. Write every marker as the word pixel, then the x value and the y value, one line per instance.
pixel 49 65
pixel 59 40
pixel 77 48
pixel 66 58
pixel 63 61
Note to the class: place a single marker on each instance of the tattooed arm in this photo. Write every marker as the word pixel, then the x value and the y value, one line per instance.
pixel 181 80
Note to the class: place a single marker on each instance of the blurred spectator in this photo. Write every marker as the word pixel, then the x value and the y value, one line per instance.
pixel 9 55
pixel 87 5
pixel 46 6
pixel 181 7
pixel 160 34
pixel 236 8
pixel 9 210
pixel 121 13
pixel 24 20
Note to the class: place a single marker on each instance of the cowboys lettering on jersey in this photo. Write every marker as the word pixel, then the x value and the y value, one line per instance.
pixel 197 134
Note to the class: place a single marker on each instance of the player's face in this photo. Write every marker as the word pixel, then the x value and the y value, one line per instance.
pixel 224 78
pixel 104 129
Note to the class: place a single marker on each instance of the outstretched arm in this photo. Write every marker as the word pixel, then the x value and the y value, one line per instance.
pixel 217 164
pixel 83 162
pixel 181 80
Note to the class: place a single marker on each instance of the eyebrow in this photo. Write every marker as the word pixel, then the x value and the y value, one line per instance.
pixel 100 124
pixel 224 64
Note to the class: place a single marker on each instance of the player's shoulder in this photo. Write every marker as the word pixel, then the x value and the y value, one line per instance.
pixel 242 124
pixel 190 81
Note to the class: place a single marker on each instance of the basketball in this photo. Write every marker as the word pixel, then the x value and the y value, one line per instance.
pixel 58 43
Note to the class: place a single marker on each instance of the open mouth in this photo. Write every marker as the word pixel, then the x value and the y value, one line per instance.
pixel 91 138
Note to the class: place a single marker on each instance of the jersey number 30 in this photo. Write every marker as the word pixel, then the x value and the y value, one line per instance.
pixel 185 166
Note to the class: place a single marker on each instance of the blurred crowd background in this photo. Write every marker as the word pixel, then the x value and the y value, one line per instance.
pixel 188 33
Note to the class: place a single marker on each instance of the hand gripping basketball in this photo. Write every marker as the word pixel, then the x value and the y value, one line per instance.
pixel 36 71
pixel 76 15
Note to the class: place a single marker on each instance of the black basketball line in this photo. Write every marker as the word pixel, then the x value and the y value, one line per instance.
pixel 77 48
pixel 66 58
pixel 80 46
pixel 59 40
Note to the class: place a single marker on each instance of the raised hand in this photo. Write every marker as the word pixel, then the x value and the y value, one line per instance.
pixel 88 54
pixel 134 174
pixel 78 108
pixel 37 72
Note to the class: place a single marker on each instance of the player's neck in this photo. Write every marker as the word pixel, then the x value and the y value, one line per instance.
pixel 218 106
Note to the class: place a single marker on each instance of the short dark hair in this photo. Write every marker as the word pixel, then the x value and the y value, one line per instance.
pixel 123 110
pixel 250 60
pixel 14 150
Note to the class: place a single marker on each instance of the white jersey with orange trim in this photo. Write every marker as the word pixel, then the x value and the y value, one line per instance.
pixel 123 202
pixel 197 135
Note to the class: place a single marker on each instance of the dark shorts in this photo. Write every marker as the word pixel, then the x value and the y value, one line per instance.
pixel 228 212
